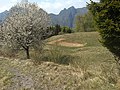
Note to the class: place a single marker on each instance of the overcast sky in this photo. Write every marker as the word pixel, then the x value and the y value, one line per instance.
pixel 51 6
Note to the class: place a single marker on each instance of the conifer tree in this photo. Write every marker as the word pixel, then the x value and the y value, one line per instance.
pixel 107 16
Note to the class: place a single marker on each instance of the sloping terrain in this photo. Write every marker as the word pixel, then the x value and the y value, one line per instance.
pixel 24 75
pixel 92 67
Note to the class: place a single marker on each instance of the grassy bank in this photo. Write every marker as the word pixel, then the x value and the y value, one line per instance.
pixel 63 65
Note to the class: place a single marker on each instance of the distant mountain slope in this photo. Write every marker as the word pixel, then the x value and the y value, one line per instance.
pixel 67 16
pixel 3 15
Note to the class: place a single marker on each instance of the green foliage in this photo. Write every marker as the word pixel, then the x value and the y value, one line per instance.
pixel 66 30
pixel 57 29
pixel 58 56
pixel 107 17
pixel 85 23
pixel 53 55
pixel 79 23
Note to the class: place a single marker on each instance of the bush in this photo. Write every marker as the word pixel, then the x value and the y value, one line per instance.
pixel 53 55
pixel 66 30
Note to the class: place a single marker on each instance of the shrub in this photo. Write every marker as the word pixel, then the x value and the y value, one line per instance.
pixel 53 55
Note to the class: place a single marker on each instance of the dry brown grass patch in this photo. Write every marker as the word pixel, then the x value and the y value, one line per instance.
pixel 62 42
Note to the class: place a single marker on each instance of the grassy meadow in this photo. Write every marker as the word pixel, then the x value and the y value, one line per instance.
pixel 74 61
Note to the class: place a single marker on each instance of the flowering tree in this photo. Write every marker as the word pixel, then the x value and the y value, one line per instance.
pixel 25 27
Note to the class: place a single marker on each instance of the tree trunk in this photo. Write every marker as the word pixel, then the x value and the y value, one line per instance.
pixel 27 53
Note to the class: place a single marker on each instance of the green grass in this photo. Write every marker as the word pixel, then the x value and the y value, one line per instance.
pixel 91 67
pixel 92 53
pixel 91 38
pixel 94 59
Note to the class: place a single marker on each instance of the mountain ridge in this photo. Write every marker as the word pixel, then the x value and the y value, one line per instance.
pixel 3 15
pixel 66 17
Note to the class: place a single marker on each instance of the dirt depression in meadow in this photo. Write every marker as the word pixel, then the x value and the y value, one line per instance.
pixel 62 42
